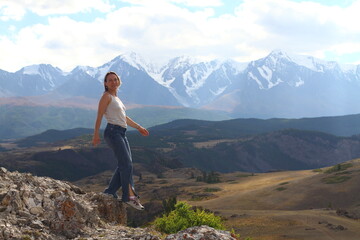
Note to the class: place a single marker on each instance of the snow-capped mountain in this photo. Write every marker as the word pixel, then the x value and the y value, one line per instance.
pixel 278 85
pixel 31 80
pixel 196 83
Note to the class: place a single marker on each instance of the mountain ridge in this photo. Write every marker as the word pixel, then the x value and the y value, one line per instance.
pixel 278 85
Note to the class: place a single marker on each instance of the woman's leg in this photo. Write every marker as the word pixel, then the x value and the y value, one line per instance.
pixel 124 167
pixel 114 184
pixel 131 182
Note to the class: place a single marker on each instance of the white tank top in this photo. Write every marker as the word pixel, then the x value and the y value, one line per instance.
pixel 115 112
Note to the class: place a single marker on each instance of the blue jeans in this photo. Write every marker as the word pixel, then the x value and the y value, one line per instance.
pixel 115 137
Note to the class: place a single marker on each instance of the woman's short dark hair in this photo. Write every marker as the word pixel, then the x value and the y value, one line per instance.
pixel 107 74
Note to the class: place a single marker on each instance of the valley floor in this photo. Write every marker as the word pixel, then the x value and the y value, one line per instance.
pixel 291 205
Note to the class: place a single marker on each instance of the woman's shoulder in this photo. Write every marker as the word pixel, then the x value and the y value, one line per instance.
pixel 106 96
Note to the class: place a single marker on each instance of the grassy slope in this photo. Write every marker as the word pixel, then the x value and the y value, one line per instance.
pixel 289 205
pixel 268 206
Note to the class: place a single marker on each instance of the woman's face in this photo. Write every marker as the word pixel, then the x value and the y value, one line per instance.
pixel 112 82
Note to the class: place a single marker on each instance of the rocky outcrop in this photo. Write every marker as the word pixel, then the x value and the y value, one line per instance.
pixel 352 213
pixel 43 208
pixel 200 233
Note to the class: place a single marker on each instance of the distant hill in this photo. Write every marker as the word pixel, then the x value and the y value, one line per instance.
pixel 23 121
pixel 347 125
pixel 66 163
pixel 256 145
pixel 281 150
pixel 52 135
pixel 251 145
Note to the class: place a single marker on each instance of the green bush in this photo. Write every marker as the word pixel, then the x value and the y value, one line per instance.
pixel 339 167
pixel 335 179
pixel 169 205
pixel 284 183
pixel 212 189
pixel 211 177
pixel 184 217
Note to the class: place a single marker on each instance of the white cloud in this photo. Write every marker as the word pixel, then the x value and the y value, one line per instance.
pixel 15 9
pixel 200 3
pixel 11 11
pixel 190 3
pixel 160 30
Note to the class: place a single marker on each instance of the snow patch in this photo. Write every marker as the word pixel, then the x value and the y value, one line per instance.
pixel 31 70
pixel 101 72
pixel 183 61
pixel 219 91
pixel 315 64
pixel 180 99
pixel 196 77
pixel 238 66
pixel 265 72
pixel 299 83
pixel 251 75
pixel 271 84
pixel 158 77
pixel 139 62
pixel 349 68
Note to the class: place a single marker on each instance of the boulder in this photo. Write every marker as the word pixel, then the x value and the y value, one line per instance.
pixel 201 233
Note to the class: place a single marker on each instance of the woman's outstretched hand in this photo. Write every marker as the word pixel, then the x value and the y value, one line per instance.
pixel 95 141
pixel 143 131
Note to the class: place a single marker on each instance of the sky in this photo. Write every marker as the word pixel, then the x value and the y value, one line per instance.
pixel 70 33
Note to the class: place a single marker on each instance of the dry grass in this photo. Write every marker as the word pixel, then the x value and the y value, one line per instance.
pixel 212 143
pixel 253 206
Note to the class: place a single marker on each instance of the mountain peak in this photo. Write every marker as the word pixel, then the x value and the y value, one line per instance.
pixel 39 69
pixel 138 61
pixel 278 53
pixel 309 62
pixel 184 60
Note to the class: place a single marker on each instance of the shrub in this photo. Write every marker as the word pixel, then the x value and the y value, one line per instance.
pixel 184 217
pixel 211 177
pixel 339 167
pixel 212 189
pixel 169 205
pixel 284 183
pixel 335 179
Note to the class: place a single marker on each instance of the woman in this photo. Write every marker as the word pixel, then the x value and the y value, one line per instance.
pixel 114 110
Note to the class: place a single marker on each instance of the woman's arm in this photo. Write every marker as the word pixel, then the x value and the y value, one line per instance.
pixel 133 124
pixel 103 103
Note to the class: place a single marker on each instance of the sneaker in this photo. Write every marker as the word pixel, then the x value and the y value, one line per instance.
pixel 135 203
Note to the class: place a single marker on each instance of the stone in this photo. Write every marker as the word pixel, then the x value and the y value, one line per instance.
pixel 36 224
pixel 201 233
pixel 36 210
pixel 24 214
